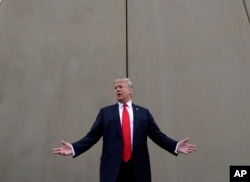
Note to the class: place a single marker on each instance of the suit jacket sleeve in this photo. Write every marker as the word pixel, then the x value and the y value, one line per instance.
pixel 160 138
pixel 91 138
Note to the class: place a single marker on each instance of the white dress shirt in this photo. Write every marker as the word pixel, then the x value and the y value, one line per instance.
pixel 131 117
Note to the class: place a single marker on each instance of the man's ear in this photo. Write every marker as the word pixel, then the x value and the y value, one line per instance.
pixel 130 90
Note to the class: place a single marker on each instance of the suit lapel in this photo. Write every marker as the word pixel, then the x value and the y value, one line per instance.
pixel 117 119
pixel 136 124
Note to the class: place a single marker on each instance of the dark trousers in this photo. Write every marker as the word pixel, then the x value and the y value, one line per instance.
pixel 126 172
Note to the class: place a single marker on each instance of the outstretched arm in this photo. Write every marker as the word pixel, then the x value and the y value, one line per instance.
pixel 185 148
pixel 65 149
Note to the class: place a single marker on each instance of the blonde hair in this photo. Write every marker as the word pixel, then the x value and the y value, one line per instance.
pixel 126 80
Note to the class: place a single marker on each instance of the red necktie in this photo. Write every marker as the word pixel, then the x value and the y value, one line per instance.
pixel 126 153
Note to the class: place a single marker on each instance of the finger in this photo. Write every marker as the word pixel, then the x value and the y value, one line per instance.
pixel 64 153
pixel 185 152
pixel 56 149
pixel 64 143
pixel 192 146
pixel 192 150
pixel 56 152
pixel 186 140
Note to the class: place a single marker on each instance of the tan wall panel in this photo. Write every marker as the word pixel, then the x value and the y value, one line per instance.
pixel 189 61
pixel 57 66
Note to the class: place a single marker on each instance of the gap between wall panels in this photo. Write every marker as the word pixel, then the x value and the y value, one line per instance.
pixel 246 9
pixel 126 21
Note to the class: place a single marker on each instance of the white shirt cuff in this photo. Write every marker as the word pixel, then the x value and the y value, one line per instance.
pixel 176 148
pixel 73 151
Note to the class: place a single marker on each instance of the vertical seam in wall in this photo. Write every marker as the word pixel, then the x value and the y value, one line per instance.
pixel 126 21
pixel 246 9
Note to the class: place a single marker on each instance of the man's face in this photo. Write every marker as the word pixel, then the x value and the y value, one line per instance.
pixel 122 91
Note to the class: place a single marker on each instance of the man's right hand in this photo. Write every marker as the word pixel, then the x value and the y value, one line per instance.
pixel 65 149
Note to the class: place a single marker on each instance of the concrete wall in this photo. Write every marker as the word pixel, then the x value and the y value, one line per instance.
pixel 190 66
pixel 58 63
pixel 188 60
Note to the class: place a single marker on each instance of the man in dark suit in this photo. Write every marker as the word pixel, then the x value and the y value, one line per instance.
pixel 125 156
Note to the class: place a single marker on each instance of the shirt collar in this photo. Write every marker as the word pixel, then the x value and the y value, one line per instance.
pixel 129 103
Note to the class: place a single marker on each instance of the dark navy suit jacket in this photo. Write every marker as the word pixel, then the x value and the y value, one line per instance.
pixel 108 126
